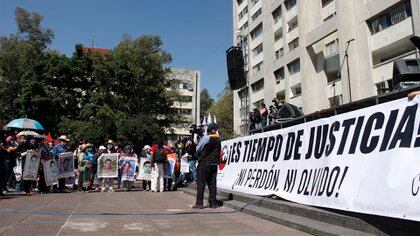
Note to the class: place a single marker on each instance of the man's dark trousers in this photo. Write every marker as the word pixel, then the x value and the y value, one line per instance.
pixel 206 174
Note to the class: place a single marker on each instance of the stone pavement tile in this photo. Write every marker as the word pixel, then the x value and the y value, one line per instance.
pixel 32 230
pixel 128 202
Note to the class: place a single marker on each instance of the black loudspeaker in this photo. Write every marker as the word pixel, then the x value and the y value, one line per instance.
pixel 406 73
pixel 235 68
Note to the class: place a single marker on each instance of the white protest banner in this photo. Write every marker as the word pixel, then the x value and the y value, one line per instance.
pixel 30 170
pixel 365 161
pixel 127 165
pixel 50 171
pixel 108 165
pixel 65 165
pixel 145 169
pixel 184 164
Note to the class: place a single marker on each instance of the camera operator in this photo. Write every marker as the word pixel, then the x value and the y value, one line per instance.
pixel 208 153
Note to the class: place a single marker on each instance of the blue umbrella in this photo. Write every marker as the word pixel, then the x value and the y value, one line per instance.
pixel 24 123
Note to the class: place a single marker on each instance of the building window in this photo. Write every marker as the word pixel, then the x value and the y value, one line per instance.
pixel 276 14
pixel 326 2
pixel 336 101
pixel 183 111
pixel 390 17
pixel 257 31
pixel 293 44
pixel 257 50
pixel 290 4
pixel 278 35
pixel 296 90
pixel 258 86
pixel 257 68
pixel 243 13
pixel 186 99
pixel 279 53
pixel 331 48
pixel 293 23
pixel 279 75
pixel 256 14
pixel 239 2
pixel 294 66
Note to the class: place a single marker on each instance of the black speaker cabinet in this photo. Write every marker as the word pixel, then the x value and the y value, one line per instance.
pixel 405 70
pixel 235 68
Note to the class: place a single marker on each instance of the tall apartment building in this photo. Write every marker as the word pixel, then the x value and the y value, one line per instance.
pixel 188 86
pixel 293 50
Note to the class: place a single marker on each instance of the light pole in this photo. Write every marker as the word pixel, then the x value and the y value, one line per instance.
pixel 345 59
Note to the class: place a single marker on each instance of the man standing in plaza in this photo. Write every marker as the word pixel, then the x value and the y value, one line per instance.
pixel 208 152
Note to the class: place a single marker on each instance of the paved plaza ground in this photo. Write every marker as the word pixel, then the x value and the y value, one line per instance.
pixel 68 218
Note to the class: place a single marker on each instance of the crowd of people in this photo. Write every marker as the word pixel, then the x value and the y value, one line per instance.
pixel 259 117
pixel 14 148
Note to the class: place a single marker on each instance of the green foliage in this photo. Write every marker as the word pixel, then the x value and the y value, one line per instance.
pixel 223 110
pixel 121 95
pixel 206 101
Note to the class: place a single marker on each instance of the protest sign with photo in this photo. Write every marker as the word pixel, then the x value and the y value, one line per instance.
pixel 184 164
pixel 363 161
pixel 65 165
pixel 30 170
pixel 169 167
pixel 50 172
pixel 145 169
pixel 108 165
pixel 128 165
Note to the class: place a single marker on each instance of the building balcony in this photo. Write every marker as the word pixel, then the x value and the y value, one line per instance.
pixel 257 59
pixel 257 41
pixel 242 6
pixel 279 44
pixel 277 24
pixel 383 71
pixel 291 13
pixel 255 8
pixel 295 79
pixel 296 100
pixel 293 34
pixel 280 86
pixel 243 20
pixel 257 96
pixel 391 35
pixel 328 10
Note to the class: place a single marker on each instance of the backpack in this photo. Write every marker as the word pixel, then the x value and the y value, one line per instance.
pixel 160 155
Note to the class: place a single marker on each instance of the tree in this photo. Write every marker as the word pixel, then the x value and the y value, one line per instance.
pixel 206 101
pixel 120 95
pixel 22 66
pixel 223 110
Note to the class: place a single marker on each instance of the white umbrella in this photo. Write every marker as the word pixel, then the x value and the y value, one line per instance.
pixel 27 133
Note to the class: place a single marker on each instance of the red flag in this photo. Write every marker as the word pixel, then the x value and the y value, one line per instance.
pixel 49 139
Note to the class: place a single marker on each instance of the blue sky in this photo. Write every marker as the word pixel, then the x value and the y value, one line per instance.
pixel 196 32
